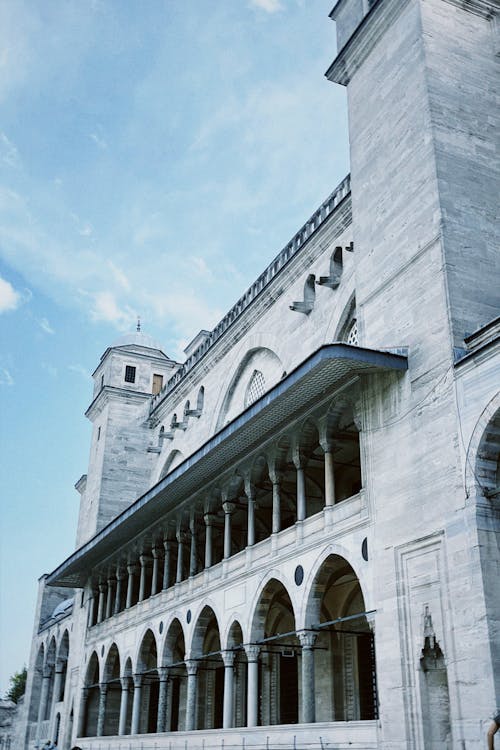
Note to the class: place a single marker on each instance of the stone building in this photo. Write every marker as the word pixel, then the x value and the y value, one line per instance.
pixel 290 540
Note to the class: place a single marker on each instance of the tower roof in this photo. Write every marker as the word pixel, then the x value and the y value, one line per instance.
pixel 137 338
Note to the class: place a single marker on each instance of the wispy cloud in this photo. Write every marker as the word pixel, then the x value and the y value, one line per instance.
pixel 99 141
pixel 270 6
pixel 10 299
pixel 9 154
pixel 5 377
pixel 106 308
pixel 45 326
pixel 80 370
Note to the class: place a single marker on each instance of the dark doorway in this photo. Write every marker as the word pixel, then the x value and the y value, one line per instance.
pixel 367 676
pixel 219 697
pixel 154 692
pixel 289 697
pixel 175 686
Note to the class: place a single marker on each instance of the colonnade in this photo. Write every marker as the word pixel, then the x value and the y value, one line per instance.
pixel 296 477
pixel 49 681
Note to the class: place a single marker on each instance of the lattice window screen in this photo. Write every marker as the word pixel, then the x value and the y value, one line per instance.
pixel 256 388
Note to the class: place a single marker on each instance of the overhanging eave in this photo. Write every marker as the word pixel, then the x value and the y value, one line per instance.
pixel 320 374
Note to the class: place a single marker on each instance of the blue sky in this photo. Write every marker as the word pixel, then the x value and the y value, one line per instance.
pixel 154 157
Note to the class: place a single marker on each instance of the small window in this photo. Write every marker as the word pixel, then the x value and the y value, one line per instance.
pixel 157 384
pixel 129 374
pixel 99 432
pixel 352 335
pixel 256 388
pixel 102 382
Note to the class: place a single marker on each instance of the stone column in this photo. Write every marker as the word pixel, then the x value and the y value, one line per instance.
pixel 162 699
pixel 329 473
pixel 180 556
pixel 109 598
pixel 100 608
pixel 301 486
pixel 252 652
pixel 144 560
pixel 228 509
pixel 122 725
pixel 192 551
pixel 154 578
pixel 118 590
pixel 166 563
pixel 131 568
pixel 82 714
pixel 250 493
pixel 307 640
pixel 192 669
pixel 228 717
pixel 92 615
pixel 209 521
pixel 276 480
pixel 136 708
pixel 101 716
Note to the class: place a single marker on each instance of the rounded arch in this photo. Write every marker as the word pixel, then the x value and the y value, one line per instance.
pixel 36 687
pixel 111 676
pixel 234 642
pixel 147 652
pixel 147 672
pixel 274 628
pixel 260 360
pixel 62 664
pixel 347 320
pixel 63 649
pixel 206 648
pixel 174 646
pixel 173 654
pixel 205 620
pixel 336 612
pixel 174 458
pixel 50 669
pixel 482 468
pixel 91 705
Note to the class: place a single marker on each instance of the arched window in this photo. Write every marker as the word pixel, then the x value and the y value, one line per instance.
pixel 352 334
pixel 255 388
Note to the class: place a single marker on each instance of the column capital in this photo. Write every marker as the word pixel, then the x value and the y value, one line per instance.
pixel 191 666
pixel 144 559
pixel 228 658
pixel 249 489
pixel 163 673
pixel 228 508
pixel 47 672
pixel 275 476
pixel 103 688
pixel 166 544
pixel 252 652
pixel 102 587
pixel 209 518
pixel 155 552
pixel 131 568
pixel 181 537
pixel 125 683
pixel 327 444
pixel 307 638
pixel 60 665
pixel 137 680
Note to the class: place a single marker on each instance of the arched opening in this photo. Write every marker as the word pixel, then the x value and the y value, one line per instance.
pixel 343 436
pixel 285 470
pixel 274 629
pixel 263 488
pixel 345 676
pixel 57 726
pixel 210 681
pixel 36 688
pixel 113 695
pixel 147 667
pixel 200 400
pixel 128 682
pixel 91 706
pixel 313 462
pixel 173 659
pixel 50 667
pixel 174 458
pixel 62 665
pixel 235 643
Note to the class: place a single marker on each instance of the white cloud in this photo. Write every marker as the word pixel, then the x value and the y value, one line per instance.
pixel 9 298
pixel 5 377
pixel 106 308
pixel 45 326
pixel 119 276
pixel 270 6
pixel 80 370
pixel 100 142
pixel 8 152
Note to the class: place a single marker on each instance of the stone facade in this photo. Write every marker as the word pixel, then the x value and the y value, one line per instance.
pixel 292 538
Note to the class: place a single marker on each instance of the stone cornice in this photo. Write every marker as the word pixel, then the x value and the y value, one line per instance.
pixel 363 40
pixel 243 315
pixel 110 393
pixel 484 8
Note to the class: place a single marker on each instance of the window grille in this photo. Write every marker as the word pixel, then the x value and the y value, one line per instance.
pixel 352 336
pixel 129 374
pixel 256 388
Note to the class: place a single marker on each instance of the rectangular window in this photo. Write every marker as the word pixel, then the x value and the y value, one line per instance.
pixel 157 384
pixel 129 374
pixel 99 432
